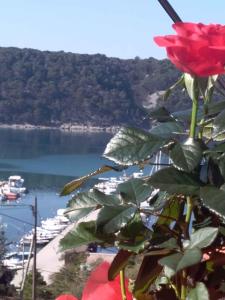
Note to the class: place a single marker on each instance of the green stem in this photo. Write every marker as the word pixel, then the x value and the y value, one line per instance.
pixel 122 284
pixel 184 286
pixel 175 289
pixel 189 210
pixel 193 118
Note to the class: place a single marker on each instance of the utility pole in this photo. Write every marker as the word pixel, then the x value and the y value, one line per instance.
pixel 34 281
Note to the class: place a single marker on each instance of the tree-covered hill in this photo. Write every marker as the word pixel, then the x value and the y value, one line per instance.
pixel 52 88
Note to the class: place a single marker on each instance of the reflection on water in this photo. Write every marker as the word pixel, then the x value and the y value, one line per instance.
pixel 35 143
pixel 46 159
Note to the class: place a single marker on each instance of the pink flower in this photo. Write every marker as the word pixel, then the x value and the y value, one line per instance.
pixel 196 49
pixel 99 288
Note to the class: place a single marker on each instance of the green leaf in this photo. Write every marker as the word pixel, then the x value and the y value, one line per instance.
pixel 222 230
pixel 82 234
pixel 203 86
pixel 219 137
pixel 185 115
pixel 131 146
pixel 119 262
pixel 133 246
pixel 172 211
pixel 157 202
pixel 167 129
pixel 203 237
pixel 148 272
pixel 114 218
pixel 214 172
pixel 169 244
pixel 134 191
pixel 161 114
pixel 134 236
pixel 76 214
pixel 219 123
pixel 83 203
pixel 180 261
pixel 75 184
pixel 191 86
pixel 206 86
pixel 214 199
pixel 200 292
pixel 186 156
pixel 218 148
pixel 180 81
pixel 209 133
pixel 182 115
pixel 215 108
pixel 221 163
pixel 174 181
pixel 134 229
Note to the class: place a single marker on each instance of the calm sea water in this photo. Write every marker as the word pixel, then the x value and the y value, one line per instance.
pixel 46 159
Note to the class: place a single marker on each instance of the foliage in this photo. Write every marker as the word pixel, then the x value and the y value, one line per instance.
pixel 52 88
pixel 71 278
pixel 42 292
pixel 6 275
pixel 182 252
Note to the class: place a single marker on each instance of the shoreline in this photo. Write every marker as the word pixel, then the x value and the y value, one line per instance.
pixel 67 127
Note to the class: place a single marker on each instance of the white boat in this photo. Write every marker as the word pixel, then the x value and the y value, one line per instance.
pixel 45 232
pixel 15 260
pixel 13 263
pixel 109 185
pixel 58 223
pixel 28 238
pixel 52 226
pixel 15 184
pixel 13 188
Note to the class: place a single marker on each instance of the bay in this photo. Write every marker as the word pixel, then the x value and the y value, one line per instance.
pixel 46 159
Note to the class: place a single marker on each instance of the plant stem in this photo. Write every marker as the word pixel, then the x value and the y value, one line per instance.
pixel 184 286
pixel 189 210
pixel 192 135
pixel 193 118
pixel 122 284
pixel 175 289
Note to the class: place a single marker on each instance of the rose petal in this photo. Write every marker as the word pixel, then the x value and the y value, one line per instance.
pixel 99 288
pixel 66 297
pixel 197 49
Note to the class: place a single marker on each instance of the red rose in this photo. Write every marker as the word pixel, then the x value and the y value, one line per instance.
pixel 66 297
pixel 197 49
pixel 99 288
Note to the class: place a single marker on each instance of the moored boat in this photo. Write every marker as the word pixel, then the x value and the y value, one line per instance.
pixel 15 260
pixel 15 184
pixel 13 188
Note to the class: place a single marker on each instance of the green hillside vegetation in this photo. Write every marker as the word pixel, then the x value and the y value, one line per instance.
pixel 52 88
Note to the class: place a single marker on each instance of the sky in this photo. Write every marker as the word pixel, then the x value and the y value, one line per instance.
pixel 116 28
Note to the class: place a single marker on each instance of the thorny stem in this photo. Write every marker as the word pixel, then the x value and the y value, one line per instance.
pixel 122 285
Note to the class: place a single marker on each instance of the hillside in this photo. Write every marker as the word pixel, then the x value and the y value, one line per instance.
pixel 52 88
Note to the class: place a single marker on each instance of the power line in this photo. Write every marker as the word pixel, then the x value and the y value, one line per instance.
pixel 16 205
pixel 16 219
